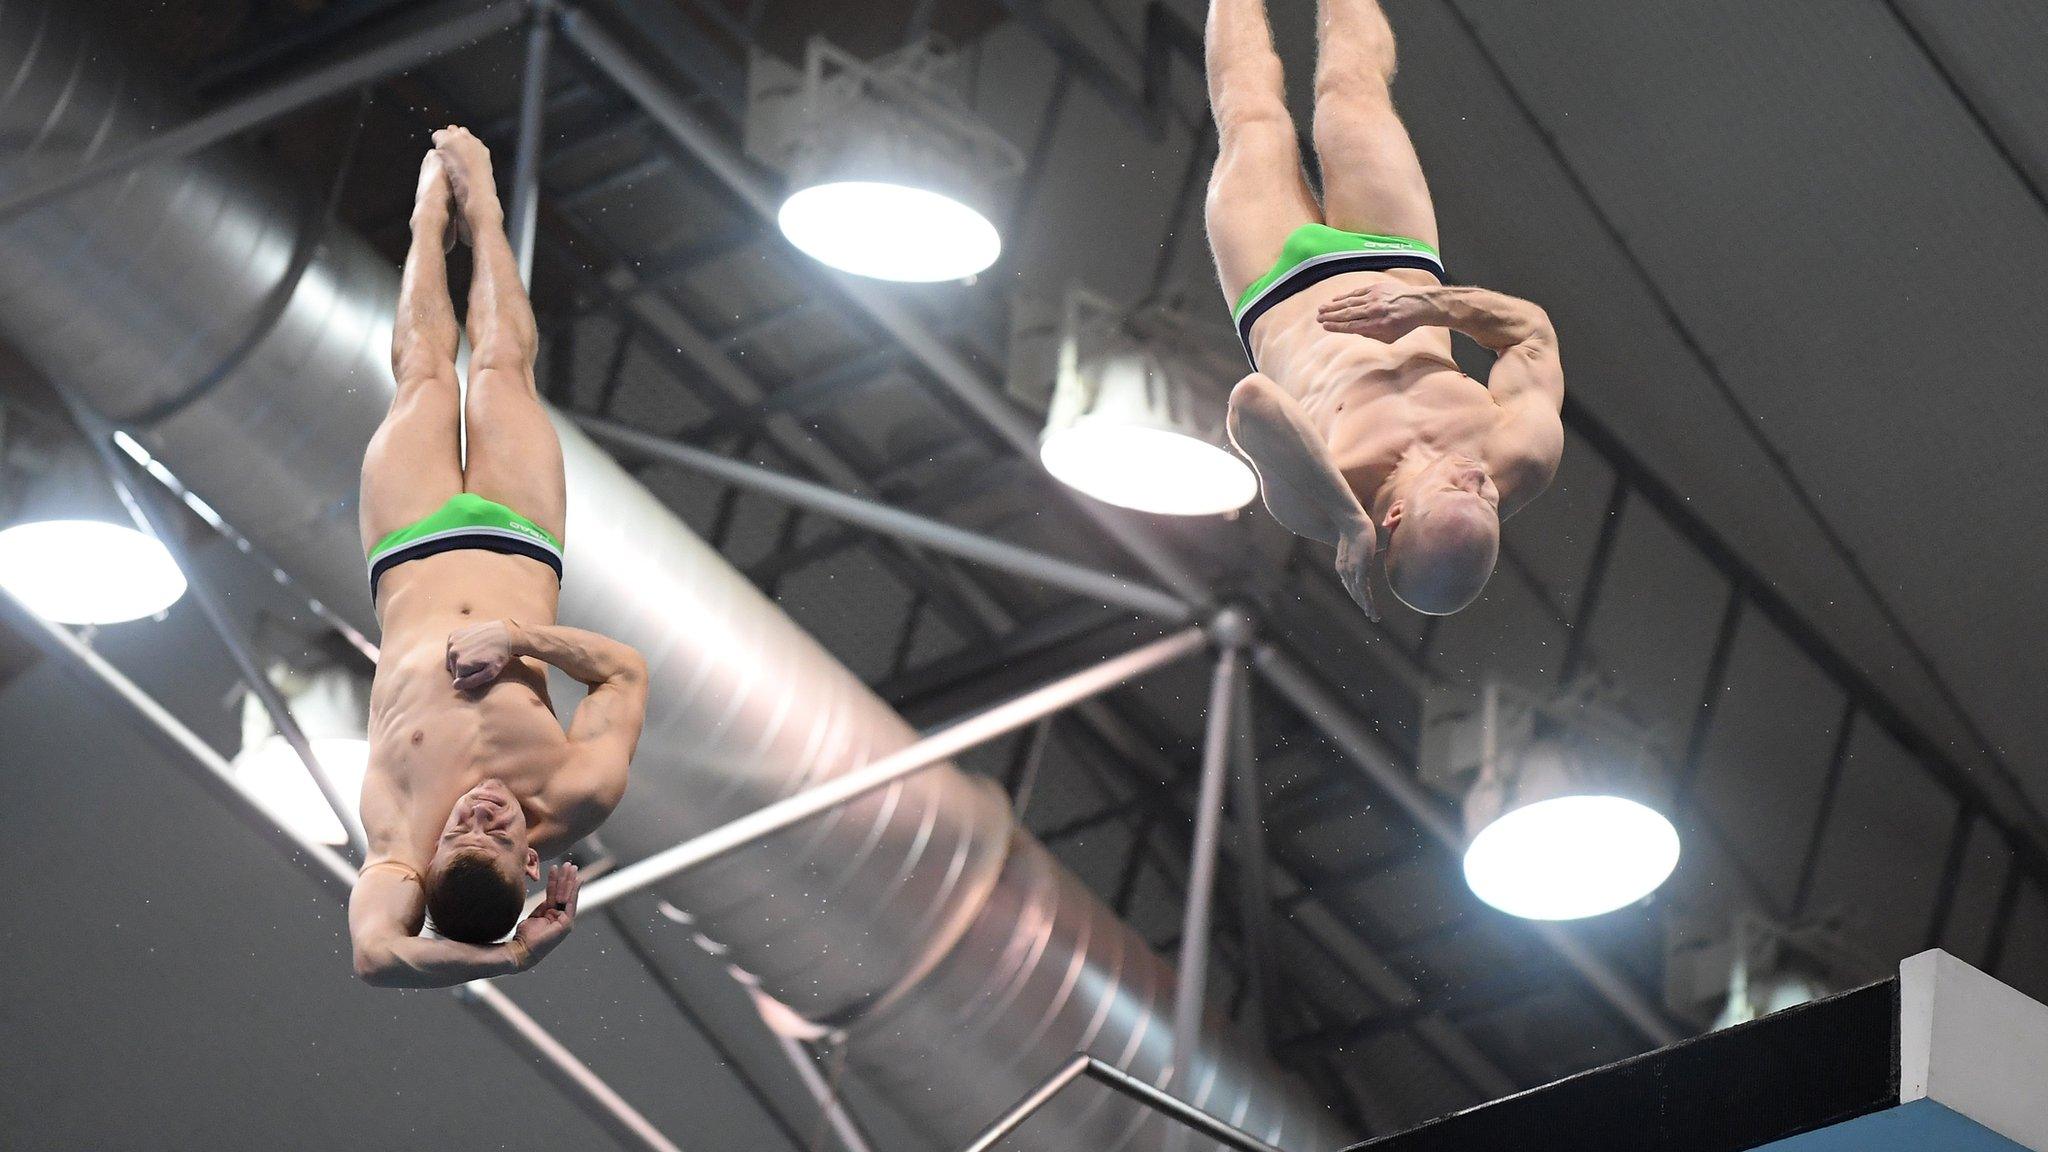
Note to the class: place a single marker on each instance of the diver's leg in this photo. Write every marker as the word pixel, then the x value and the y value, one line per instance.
pixel 1256 191
pixel 515 457
pixel 1372 180
pixel 414 461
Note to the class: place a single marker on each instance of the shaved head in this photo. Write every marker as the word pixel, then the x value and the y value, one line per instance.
pixel 1442 551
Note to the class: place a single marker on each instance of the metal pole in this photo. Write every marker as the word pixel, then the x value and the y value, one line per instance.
pixel 843 1126
pixel 90 669
pixel 933 749
pixel 1365 749
pixel 1121 1082
pixel 169 481
pixel 1193 966
pixel 1024 773
pixel 606 1106
pixel 1037 1098
pixel 533 95
pixel 907 526
pixel 405 53
pixel 324 862
pixel 151 520
pixel 1255 899
pixel 947 367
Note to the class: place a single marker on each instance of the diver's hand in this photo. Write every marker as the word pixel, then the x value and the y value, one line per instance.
pixel 1356 546
pixel 553 917
pixel 477 655
pixel 1384 311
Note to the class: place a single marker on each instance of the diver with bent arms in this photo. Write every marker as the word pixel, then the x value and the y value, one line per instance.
pixel 472 781
pixel 1365 433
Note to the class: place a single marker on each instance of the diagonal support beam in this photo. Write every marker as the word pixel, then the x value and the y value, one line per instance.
pixel 399 55
pixel 934 749
pixel 907 526
pixel 1115 1079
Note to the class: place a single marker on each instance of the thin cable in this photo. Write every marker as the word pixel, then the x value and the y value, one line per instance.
pixel 1754 429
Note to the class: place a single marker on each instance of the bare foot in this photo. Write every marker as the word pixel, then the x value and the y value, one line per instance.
pixel 469 173
pixel 1303 489
pixel 433 201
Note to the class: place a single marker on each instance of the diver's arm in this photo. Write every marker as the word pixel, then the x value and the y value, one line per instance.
pixel 595 660
pixel 1388 310
pixel 385 912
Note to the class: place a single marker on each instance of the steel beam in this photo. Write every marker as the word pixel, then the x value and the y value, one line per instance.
pixel 1369 753
pixel 1187 1115
pixel 825 1092
pixel 1193 966
pixel 152 520
pixel 605 1106
pixel 935 748
pixel 895 522
pixel 1254 898
pixel 533 99
pixel 323 862
pixel 409 51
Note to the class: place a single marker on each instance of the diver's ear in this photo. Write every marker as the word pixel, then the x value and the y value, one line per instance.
pixel 1395 511
pixel 532 863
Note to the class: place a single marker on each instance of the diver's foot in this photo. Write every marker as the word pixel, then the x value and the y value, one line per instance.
pixel 1301 487
pixel 469 173
pixel 434 201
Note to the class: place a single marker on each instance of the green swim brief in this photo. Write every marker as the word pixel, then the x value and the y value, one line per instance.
pixel 465 521
pixel 1316 252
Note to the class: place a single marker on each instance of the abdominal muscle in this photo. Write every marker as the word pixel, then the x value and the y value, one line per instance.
pixel 1371 401
pixel 429 743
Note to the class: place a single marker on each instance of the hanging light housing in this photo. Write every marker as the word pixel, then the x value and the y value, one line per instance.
pixel 331 705
pixel 1137 413
pixel 1563 821
pixel 72 554
pixel 891 176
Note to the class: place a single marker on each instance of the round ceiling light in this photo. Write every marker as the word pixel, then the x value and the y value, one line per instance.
pixel 88 571
pixel 889 231
pixel 1148 469
pixel 1571 857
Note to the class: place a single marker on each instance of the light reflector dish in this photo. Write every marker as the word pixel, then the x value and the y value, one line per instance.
pixel 889 231
pixel 88 571
pixel 1571 857
pixel 1148 469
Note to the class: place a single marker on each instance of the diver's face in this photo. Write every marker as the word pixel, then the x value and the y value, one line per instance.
pixel 1453 480
pixel 487 818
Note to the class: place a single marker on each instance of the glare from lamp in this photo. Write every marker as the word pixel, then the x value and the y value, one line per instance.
pixel 1148 469
pixel 889 231
pixel 88 571
pixel 1571 857
pixel 278 780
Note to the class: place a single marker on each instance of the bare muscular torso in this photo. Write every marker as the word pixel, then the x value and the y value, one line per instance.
pixel 1375 402
pixel 429 743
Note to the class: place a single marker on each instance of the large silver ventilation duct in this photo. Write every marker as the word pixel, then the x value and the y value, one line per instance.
pixel 201 304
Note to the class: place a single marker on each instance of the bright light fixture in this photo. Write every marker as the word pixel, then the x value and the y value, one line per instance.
pixel 278 779
pixel 1571 857
pixel 1148 469
pixel 88 571
pixel 889 231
